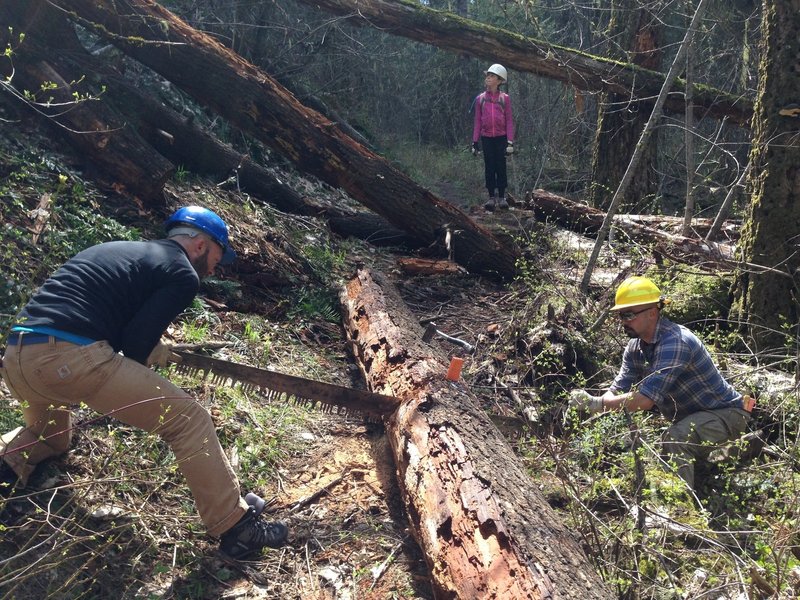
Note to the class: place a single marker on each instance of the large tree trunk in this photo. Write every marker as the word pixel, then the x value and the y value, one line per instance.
pixel 186 144
pixel 41 73
pixel 481 521
pixel 257 104
pixel 619 121
pixel 769 299
pixel 584 71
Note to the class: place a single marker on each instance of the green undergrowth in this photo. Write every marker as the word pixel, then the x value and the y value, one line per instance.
pixel 649 536
pixel 115 511
pixel 453 174
pixel 48 214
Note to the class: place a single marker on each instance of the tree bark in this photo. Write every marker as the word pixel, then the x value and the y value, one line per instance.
pixel 481 521
pixel 92 126
pixel 257 104
pixel 182 142
pixel 584 71
pixel 641 145
pixel 620 121
pixel 586 220
pixel 769 300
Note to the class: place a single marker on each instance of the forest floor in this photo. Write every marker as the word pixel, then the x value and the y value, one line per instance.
pixel 333 481
pixel 336 488
pixel 112 518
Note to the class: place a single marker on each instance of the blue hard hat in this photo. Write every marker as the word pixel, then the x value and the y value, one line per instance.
pixel 206 221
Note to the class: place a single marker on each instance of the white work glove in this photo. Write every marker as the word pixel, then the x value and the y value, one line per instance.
pixel 510 148
pixel 475 149
pixel 583 400
pixel 161 355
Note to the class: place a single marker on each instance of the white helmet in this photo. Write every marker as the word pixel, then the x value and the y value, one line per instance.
pixel 498 70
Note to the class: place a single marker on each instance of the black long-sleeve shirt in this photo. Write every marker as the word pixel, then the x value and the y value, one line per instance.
pixel 126 293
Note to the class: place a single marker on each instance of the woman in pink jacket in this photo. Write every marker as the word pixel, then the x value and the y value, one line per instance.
pixel 494 127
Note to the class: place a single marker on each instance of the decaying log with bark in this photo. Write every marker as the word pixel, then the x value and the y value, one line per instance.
pixel 480 519
pixel 49 82
pixel 428 266
pixel 449 31
pixel 586 220
pixel 184 143
pixel 257 104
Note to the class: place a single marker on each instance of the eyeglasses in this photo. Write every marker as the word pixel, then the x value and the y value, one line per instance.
pixel 630 315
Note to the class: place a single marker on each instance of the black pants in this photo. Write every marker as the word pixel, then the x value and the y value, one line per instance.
pixel 494 162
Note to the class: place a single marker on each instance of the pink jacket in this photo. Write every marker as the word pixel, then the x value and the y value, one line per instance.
pixel 493 117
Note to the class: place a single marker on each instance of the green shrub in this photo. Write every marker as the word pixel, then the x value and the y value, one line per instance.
pixel 695 297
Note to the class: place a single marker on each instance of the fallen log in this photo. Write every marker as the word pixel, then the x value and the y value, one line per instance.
pixel 184 143
pixel 428 266
pixel 257 104
pixel 586 220
pixel 59 94
pixel 481 521
pixel 446 30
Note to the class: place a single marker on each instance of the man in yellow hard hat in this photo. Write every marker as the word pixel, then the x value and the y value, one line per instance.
pixel 667 367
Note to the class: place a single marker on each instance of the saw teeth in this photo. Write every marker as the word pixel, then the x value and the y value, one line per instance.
pixel 271 396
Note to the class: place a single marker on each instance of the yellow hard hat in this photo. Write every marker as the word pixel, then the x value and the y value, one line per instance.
pixel 637 291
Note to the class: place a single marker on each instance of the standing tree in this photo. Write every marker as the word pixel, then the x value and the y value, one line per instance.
pixel 767 288
pixel 634 34
pixel 641 145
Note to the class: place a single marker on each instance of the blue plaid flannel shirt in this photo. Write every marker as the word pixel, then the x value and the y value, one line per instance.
pixel 675 372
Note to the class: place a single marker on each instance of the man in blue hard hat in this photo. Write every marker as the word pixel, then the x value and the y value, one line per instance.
pixel 90 334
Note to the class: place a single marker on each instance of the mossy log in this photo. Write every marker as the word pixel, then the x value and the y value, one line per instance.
pixel 582 70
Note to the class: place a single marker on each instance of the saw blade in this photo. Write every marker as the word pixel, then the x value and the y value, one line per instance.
pixel 272 385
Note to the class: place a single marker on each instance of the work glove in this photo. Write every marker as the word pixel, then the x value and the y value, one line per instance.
pixel 475 149
pixel 510 148
pixel 583 400
pixel 161 355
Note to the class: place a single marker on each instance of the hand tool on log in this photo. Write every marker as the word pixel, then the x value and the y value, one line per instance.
pixel 272 385
pixel 431 330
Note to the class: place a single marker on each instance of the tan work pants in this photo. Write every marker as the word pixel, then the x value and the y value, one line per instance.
pixel 50 377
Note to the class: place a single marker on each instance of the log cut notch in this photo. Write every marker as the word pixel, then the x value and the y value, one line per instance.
pixel 479 518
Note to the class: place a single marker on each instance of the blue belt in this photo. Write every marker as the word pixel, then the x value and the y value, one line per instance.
pixel 23 339
pixel 42 335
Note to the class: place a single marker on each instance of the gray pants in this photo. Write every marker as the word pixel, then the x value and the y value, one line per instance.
pixel 697 434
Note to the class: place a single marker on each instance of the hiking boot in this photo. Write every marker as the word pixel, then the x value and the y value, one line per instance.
pixel 501 203
pixel 491 204
pixel 251 534
pixel 8 479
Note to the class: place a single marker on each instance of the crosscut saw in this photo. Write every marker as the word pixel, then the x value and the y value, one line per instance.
pixel 272 385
